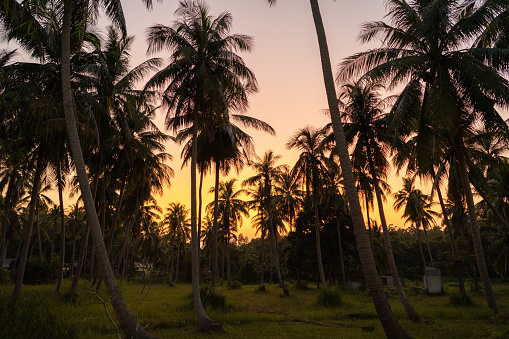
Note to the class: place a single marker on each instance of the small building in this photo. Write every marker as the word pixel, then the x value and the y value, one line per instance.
pixel 433 280
pixel 7 263
pixel 387 280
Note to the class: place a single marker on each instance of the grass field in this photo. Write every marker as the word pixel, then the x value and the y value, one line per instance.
pixel 167 312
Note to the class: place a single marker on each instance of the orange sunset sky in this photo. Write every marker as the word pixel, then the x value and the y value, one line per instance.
pixel 286 62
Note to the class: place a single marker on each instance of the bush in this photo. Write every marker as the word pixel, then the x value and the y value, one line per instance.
pixel 216 301
pixel 5 276
pixel 37 273
pixel 458 299
pixel 329 298
pixel 236 285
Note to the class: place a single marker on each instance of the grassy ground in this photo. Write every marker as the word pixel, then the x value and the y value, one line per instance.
pixel 167 312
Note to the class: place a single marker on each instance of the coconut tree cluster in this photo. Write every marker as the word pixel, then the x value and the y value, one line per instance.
pixel 77 120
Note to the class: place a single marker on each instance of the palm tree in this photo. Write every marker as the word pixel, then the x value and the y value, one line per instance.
pixel 205 77
pixel 227 145
pixel 176 220
pixel 266 174
pixel 417 210
pixel 390 325
pixel 365 124
pixel 231 210
pixel 310 169
pixel 453 85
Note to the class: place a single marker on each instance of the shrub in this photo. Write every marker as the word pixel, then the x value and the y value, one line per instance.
pixel 37 273
pixel 5 276
pixel 329 298
pixel 236 285
pixel 458 299
pixel 216 301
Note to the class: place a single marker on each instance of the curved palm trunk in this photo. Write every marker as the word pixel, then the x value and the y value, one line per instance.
pixel 389 322
pixel 62 230
pixel 411 312
pixel 476 236
pixel 317 240
pixel 205 323
pixel 454 247
pixel 128 322
pixel 213 251
pixel 28 232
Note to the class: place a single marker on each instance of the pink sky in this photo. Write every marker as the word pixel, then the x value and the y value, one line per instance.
pixel 286 63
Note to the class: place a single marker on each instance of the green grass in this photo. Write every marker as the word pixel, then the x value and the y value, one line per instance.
pixel 167 312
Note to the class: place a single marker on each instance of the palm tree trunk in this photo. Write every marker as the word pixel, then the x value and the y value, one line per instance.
pixel 341 257
pixel 228 262
pixel 370 232
pixel 205 323
pixel 177 266
pixel 389 322
pixel 200 204
pixel 317 241
pixel 213 251
pixel 6 222
pixel 411 312
pixel 115 219
pixel 476 235
pixel 81 260
pixel 423 257
pixel 262 263
pixel 454 247
pixel 273 237
pixel 128 322
pixel 28 232
pixel 427 244
pixel 62 230
pixel 38 230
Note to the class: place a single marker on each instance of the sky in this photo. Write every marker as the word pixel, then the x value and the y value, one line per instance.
pixel 286 62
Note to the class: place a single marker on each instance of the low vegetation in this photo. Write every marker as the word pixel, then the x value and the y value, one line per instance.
pixel 166 312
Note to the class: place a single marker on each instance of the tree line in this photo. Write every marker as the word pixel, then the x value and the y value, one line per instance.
pixel 74 117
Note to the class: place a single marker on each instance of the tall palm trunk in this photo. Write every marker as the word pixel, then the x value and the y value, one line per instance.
pixel 62 230
pixel 128 322
pixel 389 322
pixel 81 261
pixel 341 257
pixel 38 230
pixel 272 231
pixel 370 232
pixel 317 240
pixel 213 251
pixel 6 222
pixel 411 312
pixel 262 263
pixel 454 247
pixel 28 231
pixel 200 204
pixel 205 323
pixel 474 226
pixel 115 219
pixel 419 242
pixel 427 244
